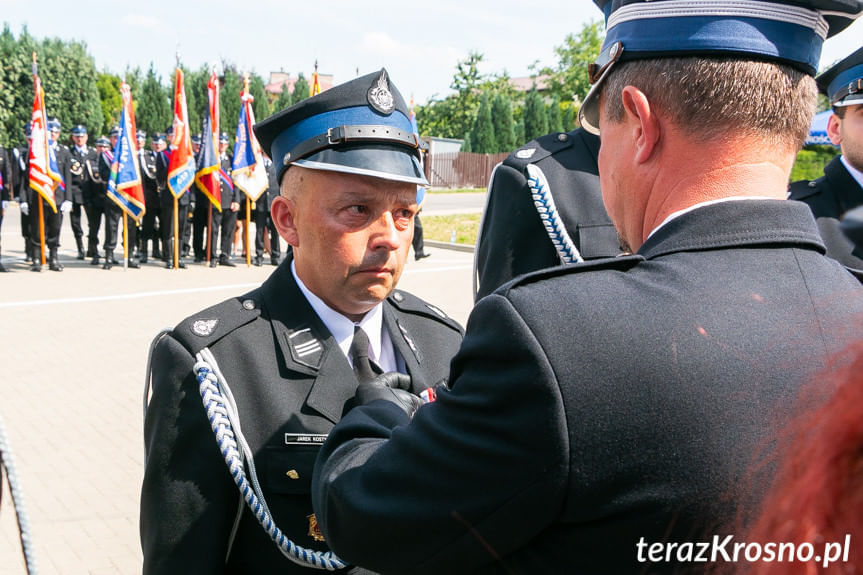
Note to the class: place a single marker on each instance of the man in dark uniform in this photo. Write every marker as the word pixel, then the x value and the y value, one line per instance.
pixel 166 200
pixel 96 195
pixel 199 211
pixel 840 189
pixel 529 224
pixel 53 221
pixel 6 186
pixel 79 154
pixel 604 414
pixel 223 221
pixel 292 351
pixel 21 157
pixel 114 213
pixel 263 220
pixel 149 225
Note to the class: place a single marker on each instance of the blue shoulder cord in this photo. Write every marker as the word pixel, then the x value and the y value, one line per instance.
pixel 8 462
pixel 544 202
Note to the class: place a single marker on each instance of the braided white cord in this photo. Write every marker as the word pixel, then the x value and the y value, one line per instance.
pixel 8 462
pixel 544 202
pixel 225 425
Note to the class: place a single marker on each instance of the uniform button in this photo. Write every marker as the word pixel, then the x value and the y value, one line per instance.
pixel 249 304
pixel 562 137
pixel 293 474
pixel 398 296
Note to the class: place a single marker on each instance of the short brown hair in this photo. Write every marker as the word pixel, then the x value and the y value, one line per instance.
pixel 713 96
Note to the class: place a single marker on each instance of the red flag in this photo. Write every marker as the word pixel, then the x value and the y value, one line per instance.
pixel 40 175
pixel 181 166
pixel 207 176
pixel 316 84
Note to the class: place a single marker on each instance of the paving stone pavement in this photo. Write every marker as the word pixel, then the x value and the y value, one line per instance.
pixel 73 351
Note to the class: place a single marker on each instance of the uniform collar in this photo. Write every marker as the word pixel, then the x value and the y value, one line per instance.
pixel 83 150
pixel 855 173
pixel 693 207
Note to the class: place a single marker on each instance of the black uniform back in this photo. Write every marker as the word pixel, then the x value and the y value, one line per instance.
pixel 513 240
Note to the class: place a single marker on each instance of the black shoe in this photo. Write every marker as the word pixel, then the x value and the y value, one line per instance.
pixel 107 265
pixel 81 255
pixel 199 259
pixel 36 267
pixel 114 260
pixel 3 268
pixel 225 261
pixel 144 257
pixel 170 265
pixel 274 261
pixel 133 263
pixel 214 262
pixel 258 261
pixel 95 261
pixel 54 265
pixel 421 255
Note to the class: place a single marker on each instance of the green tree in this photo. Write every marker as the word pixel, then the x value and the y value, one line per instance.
pixel 453 116
pixel 301 89
pixel 482 137
pixel 261 105
pixel 567 118
pixel 555 122
pixel 535 120
pixel 153 112
pixel 569 79
pixel 229 96
pixel 284 100
pixel 504 124
pixel 110 100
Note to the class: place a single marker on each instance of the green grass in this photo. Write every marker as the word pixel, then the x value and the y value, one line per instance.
pixel 458 191
pixel 440 228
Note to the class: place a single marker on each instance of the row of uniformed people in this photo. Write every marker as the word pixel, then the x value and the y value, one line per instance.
pixel 85 172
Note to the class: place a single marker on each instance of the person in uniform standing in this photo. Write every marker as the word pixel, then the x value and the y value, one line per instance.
pixel 114 213
pixel 166 200
pixel 96 195
pixel 225 220
pixel 527 226
pixel 21 156
pixel 79 156
pixel 264 223
pixel 199 211
pixel 6 186
pixel 600 412
pixel 52 221
pixel 292 351
pixel 151 221
pixel 840 189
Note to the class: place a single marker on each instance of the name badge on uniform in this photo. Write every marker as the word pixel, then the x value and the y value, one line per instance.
pixel 305 438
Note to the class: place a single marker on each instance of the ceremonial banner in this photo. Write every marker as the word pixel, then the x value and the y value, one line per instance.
pixel 316 83
pixel 124 184
pixel 248 169
pixel 207 177
pixel 42 177
pixel 181 168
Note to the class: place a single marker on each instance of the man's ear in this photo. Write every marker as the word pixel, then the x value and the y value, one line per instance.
pixel 283 211
pixel 642 119
pixel 833 124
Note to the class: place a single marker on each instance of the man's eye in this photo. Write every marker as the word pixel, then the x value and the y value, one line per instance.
pixel 358 210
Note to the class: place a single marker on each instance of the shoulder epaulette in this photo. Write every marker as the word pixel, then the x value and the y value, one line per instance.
pixel 619 263
pixel 804 188
pixel 539 149
pixel 409 303
pixel 212 324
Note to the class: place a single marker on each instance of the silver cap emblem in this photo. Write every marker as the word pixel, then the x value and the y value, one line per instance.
pixel 380 96
pixel 204 327
pixel 525 154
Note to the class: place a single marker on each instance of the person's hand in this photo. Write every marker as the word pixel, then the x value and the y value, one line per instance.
pixel 25 208
pixel 66 206
pixel 391 386
pixel 5 205
pixel 235 206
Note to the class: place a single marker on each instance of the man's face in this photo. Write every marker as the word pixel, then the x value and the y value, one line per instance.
pixel 114 142
pixel 848 134
pixel 350 234
pixel 612 175
pixel 196 148
pixel 222 147
pixel 80 140
pixel 55 134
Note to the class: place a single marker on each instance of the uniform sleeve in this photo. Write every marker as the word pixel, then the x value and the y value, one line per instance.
pixel 188 501
pixel 513 240
pixel 473 477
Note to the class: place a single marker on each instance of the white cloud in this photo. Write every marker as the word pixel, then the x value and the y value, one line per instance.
pixel 142 21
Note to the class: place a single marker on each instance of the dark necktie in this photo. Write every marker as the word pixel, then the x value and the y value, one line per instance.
pixel 364 368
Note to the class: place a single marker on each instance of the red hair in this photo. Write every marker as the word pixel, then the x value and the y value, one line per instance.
pixel 817 492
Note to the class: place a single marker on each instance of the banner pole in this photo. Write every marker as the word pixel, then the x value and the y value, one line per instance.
pixel 176 233
pixel 125 241
pixel 209 229
pixel 248 229
pixel 41 230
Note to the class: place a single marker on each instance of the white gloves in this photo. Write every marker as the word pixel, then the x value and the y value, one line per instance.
pixel 66 206
pixel 25 208
pixel 5 205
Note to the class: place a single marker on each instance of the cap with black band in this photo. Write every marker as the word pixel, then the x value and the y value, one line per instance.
pixel 843 82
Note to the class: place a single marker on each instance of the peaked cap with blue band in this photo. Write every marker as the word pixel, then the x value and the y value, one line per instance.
pixel 786 31
pixel 360 127
pixel 843 82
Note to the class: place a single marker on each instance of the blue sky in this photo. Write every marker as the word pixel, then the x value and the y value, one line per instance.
pixel 418 42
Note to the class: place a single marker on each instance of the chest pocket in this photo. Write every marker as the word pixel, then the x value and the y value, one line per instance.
pixel 290 467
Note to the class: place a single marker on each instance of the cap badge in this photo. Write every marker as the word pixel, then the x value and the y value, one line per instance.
pixel 204 327
pixel 314 530
pixel 380 96
pixel 525 153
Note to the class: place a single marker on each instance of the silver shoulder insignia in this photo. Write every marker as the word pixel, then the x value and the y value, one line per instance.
pixel 436 310
pixel 204 327
pixel 380 96
pixel 525 153
pixel 410 342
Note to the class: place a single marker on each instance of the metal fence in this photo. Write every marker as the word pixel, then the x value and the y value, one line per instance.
pixel 461 169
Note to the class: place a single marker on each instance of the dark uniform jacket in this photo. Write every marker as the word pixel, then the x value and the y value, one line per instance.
pixel 147 162
pixel 829 197
pixel 163 160
pixel 288 376
pixel 79 174
pixel 61 153
pixel 596 404
pixel 513 240
pixel 6 181
pixel 95 193
pixel 227 193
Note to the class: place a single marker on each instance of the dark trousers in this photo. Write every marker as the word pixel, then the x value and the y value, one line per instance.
pixel 75 221
pixel 199 221
pixel 417 242
pixel 94 221
pixel 224 221
pixel 167 228
pixel 263 224
pixel 52 221
pixel 150 225
pixel 113 215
